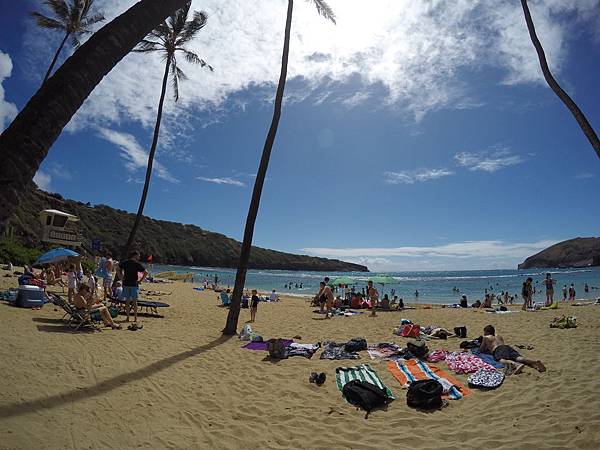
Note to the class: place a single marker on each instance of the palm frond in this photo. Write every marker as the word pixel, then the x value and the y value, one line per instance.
pixel 85 10
pixel 74 41
pixel 147 46
pixel 59 8
pixel 192 27
pixel 174 78
pixel 76 11
pixel 177 20
pixel 191 57
pixel 324 9
pixel 46 22
pixel 85 23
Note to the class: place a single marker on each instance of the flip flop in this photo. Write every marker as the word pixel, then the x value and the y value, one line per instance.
pixel 313 377
pixel 321 378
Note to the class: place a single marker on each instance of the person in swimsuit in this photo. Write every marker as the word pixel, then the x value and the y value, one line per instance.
pixel 564 291
pixel 254 305
pixel 527 294
pixel 549 282
pixel 84 301
pixel 505 354
pixel 373 296
pixel 328 300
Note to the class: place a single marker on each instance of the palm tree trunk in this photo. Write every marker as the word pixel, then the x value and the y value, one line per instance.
pixel 138 217
pixel 240 277
pixel 25 143
pixel 568 101
pixel 62 44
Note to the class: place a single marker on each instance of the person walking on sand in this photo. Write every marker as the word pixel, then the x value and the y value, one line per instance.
pixel 505 354
pixel 373 296
pixel 129 270
pixel 254 305
pixel 527 294
pixel 549 282
pixel 564 291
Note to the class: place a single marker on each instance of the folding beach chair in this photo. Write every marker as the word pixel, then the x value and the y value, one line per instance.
pixel 225 298
pixel 74 318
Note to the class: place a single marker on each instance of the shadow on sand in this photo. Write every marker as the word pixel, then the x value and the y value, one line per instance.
pixel 19 409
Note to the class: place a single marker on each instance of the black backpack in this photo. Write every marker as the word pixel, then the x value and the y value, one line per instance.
pixel 355 345
pixel 276 349
pixel 417 347
pixel 365 395
pixel 425 394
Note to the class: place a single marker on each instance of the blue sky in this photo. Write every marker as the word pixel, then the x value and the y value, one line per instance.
pixel 425 138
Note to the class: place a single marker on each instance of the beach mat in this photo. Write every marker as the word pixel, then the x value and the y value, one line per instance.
pixel 413 370
pixel 362 372
pixel 487 358
pixel 263 345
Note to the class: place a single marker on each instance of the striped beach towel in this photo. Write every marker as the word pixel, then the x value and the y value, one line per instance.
pixel 362 372
pixel 413 370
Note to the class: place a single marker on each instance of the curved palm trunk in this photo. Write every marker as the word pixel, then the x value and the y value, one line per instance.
pixel 240 277
pixel 138 217
pixel 25 143
pixel 62 44
pixel 568 101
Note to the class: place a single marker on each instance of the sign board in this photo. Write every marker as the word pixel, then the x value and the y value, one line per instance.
pixel 96 245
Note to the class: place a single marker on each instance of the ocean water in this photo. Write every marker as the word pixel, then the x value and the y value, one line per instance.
pixel 433 287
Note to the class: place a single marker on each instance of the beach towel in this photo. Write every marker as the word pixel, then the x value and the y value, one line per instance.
pixel 464 362
pixel 362 372
pixel 305 350
pixel 333 350
pixel 437 355
pixel 263 345
pixel 487 358
pixel 386 350
pixel 408 371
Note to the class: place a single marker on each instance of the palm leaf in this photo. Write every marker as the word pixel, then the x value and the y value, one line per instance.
pixel 178 18
pixel 59 8
pixel 191 57
pixel 192 27
pixel 75 41
pixel 324 9
pixel 175 78
pixel 91 20
pixel 47 22
pixel 147 46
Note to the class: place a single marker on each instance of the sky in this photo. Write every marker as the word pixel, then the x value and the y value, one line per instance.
pixel 416 135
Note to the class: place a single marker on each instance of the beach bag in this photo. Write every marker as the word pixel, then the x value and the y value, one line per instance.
pixel 411 330
pixel 355 345
pixel 246 333
pixel 365 395
pixel 276 349
pixel 485 379
pixel 460 332
pixel 425 394
pixel 418 348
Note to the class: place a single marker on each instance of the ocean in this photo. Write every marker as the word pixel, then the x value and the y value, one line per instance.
pixel 433 287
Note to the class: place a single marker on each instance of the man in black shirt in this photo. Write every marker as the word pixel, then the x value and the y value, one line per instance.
pixel 129 271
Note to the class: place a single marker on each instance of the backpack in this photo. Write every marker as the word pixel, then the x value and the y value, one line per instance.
pixel 276 349
pixel 425 394
pixel 410 330
pixel 418 348
pixel 365 395
pixel 355 345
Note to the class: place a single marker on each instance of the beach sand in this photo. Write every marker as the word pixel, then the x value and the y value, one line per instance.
pixel 179 384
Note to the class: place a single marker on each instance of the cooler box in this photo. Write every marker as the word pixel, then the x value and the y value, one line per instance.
pixel 30 297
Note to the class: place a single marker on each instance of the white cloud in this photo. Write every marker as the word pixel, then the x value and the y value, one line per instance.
pixel 135 156
pixel 42 180
pixel 457 256
pixel 416 51
pixel 488 161
pixel 406 177
pixel 8 110
pixel 584 176
pixel 224 180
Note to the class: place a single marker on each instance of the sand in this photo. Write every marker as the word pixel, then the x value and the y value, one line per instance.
pixel 179 384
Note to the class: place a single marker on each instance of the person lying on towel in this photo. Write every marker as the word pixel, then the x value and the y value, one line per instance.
pixel 505 354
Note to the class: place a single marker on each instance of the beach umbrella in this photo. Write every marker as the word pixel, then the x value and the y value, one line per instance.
pixel 55 255
pixel 341 280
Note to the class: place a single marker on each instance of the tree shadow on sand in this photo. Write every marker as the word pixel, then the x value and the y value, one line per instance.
pixel 19 409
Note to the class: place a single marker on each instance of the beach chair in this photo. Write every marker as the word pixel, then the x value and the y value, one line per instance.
pixel 225 298
pixel 73 317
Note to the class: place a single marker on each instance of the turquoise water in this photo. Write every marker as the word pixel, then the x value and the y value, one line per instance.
pixel 433 287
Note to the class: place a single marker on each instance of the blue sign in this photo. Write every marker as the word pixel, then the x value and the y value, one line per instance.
pixel 96 244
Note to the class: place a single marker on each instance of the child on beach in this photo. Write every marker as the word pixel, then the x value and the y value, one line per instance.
pixel 373 297
pixel 71 283
pixel 254 305
pixel 564 290
pixel 572 293
pixel 527 294
pixel 91 282
pixel 549 282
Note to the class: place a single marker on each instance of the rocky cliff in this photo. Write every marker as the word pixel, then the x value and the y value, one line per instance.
pixel 167 242
pixel 578 252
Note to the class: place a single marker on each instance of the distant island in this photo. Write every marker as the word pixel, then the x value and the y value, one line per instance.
pixel 578 252
pixel 167 242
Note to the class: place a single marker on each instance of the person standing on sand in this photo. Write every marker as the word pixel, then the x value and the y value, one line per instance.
pixel 71 283
pixel 107 280
pixel 527 294
pixel 505 354
pixel 572 293
pixel 373 296
pixel 254 305
pixel 564 290
pixel 129 271
pixel 549 282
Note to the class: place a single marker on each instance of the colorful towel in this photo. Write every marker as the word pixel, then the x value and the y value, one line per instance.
pixel 362 372
pixel 487 358
pixel 413 370
pixel 465 362
pixel 385 350
pixel 263 345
